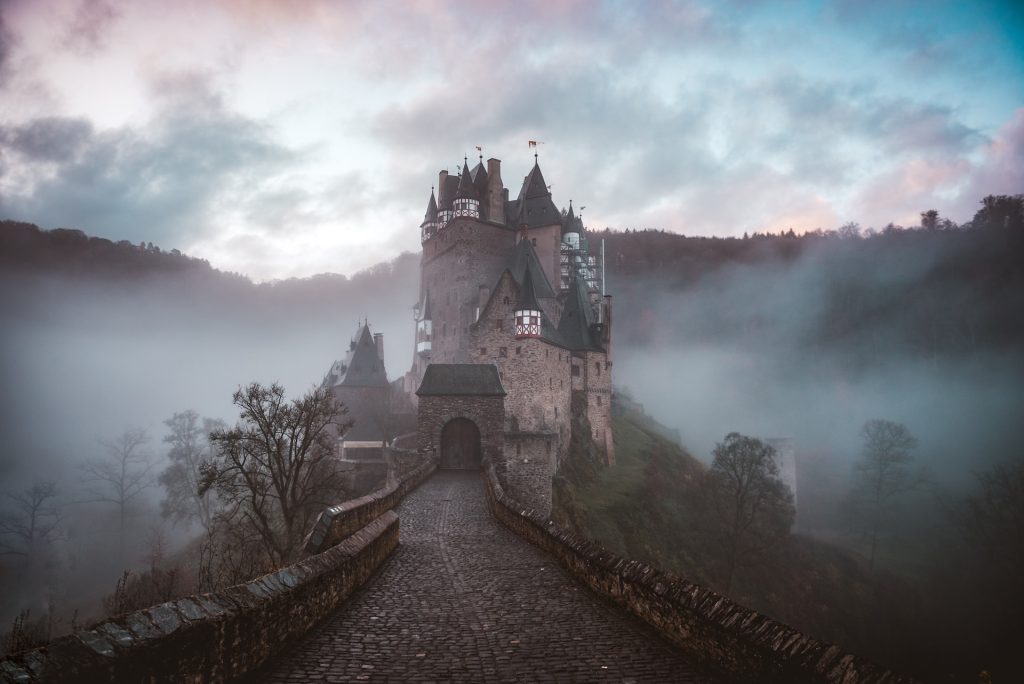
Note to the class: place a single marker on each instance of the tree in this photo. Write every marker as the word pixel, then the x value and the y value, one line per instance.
pixel 753 508
pixel 33 524
pixel 120 477
pixel 275 470
pixel 881 475
pixel 930 219
pixel 849 230
pixel 1000 211
pixel 190 448
pixel 993 520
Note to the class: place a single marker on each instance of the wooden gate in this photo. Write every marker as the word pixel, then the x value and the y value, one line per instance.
pixel 460 445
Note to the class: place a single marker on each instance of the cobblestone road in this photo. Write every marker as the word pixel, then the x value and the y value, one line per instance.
pixel 463 599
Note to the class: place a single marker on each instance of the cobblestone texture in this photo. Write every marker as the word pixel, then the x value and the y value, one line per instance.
pixel 464 599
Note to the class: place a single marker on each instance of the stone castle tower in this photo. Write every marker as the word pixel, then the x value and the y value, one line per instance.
pixel 513 331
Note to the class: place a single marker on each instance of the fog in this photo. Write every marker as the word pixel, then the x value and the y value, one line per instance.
pixel 770 349
pixel 83 359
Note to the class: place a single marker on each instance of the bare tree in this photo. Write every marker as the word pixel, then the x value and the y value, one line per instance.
pixel 992 521
pixel 275 470
pixel 120 477
pixel 881 476
pixel 190 448
pixel 33 524
pixel 752 506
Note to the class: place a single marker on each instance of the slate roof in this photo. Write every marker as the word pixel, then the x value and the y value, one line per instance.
pixel 466 188
pixel 431 215
pixel 480 178
pixel 571 223
pixel 362 366
pixel 574 326
pixel 525 256
pixel 534 206
pixel 461 379
pixel 527 299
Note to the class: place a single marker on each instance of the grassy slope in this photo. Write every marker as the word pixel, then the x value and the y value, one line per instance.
pixel 649 507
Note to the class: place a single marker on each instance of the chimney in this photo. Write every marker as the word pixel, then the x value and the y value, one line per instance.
pixel 442 177
pixel 495 191
pixel 378 339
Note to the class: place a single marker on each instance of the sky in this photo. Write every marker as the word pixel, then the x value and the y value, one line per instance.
pixel 288 139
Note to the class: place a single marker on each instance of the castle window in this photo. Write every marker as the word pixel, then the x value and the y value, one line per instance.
pixel 534 241
pixel 506 301
pixel 547 353
pixel 519 449
pixel 503 352
pixel 483 351
pixel 498 324
pixel 597 367
pixel 561 384
pixel 519 351
pixel 575 371
pixel 556 412
pixel 599 401
pixel 551 383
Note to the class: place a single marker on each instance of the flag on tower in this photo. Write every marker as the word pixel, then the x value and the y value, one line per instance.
pixel 479 149
pixel 532 143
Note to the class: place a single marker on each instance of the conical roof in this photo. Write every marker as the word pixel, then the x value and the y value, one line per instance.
pixel 524 257
pixel 534 185
pixel 363 367
pixel 574 326
pixel 527 298
pixel 431 215
pixel 534 207
pixel 479 174
pixel 466 188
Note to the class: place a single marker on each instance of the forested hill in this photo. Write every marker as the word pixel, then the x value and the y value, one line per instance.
pixel 936 290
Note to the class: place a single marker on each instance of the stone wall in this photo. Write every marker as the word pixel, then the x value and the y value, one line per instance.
pixel 338 522
pixel 530 464
pixel 488 413
pixel 726 637
pixel 213 637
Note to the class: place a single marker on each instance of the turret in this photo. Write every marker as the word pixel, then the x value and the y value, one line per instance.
pixel 467 199
pixel 527 312
pixel 424 329
pixel 429 225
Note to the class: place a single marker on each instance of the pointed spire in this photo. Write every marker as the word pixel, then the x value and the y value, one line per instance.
pixel 527 296
pixel 466 188
pixel 534 185
pixel 431 215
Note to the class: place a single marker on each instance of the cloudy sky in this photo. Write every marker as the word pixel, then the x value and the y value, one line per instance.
pixel 286 139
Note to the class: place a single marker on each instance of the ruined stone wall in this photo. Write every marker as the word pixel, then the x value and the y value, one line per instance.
pixel 724 636
pixel 214 637
pixel 488 413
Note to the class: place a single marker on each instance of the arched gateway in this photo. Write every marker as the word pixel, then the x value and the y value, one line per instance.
pixel 461 415
pixel 460 445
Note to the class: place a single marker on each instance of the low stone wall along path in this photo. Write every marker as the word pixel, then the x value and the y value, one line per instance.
pixel 463 599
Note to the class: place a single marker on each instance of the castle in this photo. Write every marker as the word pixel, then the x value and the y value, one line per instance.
pixel 513 333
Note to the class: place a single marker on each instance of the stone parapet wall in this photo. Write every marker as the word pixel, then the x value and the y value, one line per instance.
pixel 339 521
pixel 213 637
pixel 723 635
